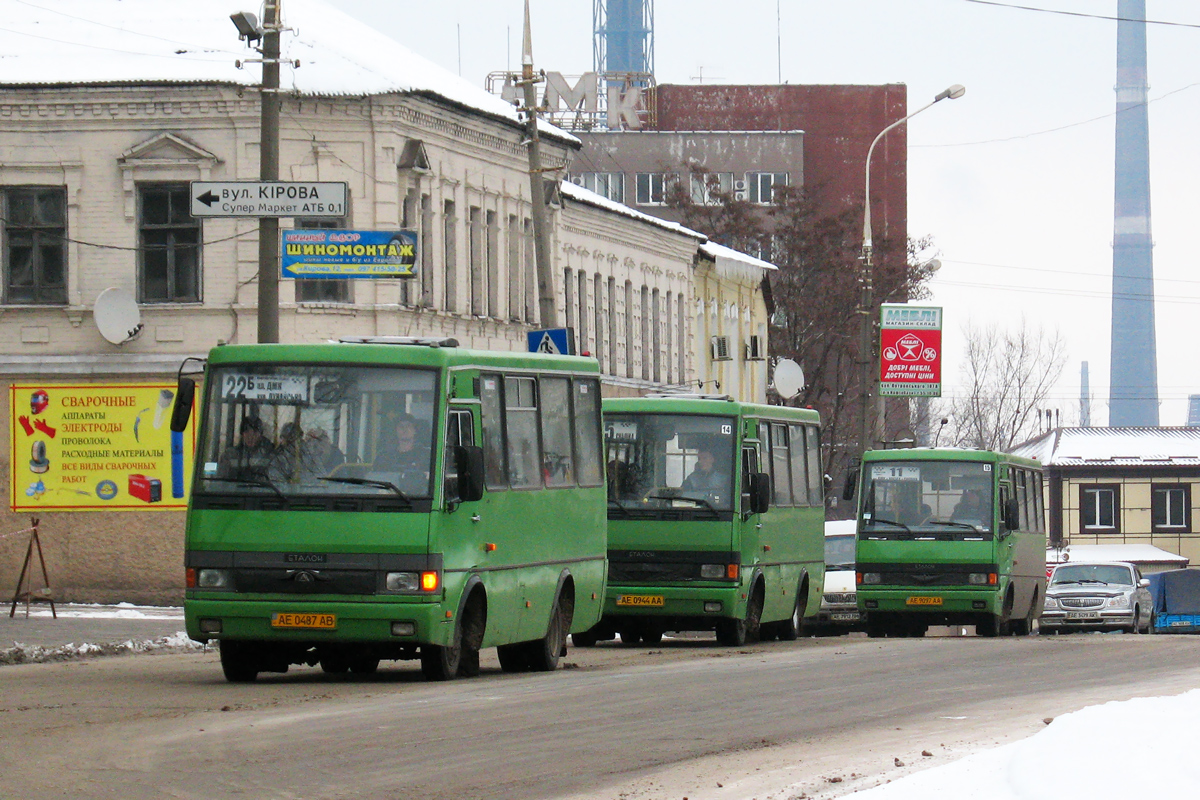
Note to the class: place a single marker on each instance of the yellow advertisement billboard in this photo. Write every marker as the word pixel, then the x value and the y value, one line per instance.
pixel 97 446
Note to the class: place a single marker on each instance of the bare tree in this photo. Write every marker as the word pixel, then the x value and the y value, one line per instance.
pixel 1007 377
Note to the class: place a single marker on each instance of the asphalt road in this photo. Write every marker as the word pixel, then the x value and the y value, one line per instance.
pixel 167 725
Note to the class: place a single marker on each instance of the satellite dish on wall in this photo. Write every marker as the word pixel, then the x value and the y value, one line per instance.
pixel 117 316
pixel 788 378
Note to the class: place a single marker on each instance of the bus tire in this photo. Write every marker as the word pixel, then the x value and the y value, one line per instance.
pixel 736 632
pixel 440 663
pixel 789 629
pixel 239 661
pixel 334 662
pixel 585 639
pixel 513 657
pixel 543 654
pixel 989 625
pixel 630 637
pixel 652 637
pixel 364 664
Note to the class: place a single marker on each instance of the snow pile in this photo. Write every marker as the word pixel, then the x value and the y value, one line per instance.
pixel 96 611
pixel 34 654
pixel 1143 747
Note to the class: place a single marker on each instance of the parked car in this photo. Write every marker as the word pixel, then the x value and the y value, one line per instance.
pixel 839 598
pixel 1097 596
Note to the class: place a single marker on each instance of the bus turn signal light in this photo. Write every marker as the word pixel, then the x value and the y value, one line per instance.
pixel 191 578
pixel 429 581
pixel 733 572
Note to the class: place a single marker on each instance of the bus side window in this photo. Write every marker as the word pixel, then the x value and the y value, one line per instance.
pixel 521 432
pixel 459 431
pixel 780 466
pixel 816 480
pixel 749 467
pixel 586 407
pixel 557 460
pixel 493 432
pixel 799 460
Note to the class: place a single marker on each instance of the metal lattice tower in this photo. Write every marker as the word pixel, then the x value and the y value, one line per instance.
pixel 1133 373
pixel 623 35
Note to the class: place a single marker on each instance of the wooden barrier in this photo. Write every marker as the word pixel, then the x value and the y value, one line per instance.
pixel 26 577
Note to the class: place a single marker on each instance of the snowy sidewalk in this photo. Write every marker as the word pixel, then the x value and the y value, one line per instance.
pixel 87 628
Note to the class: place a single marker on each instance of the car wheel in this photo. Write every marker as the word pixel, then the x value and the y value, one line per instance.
pixel 1136 627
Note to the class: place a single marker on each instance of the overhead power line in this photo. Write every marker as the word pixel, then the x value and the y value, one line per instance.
pixel 1084 14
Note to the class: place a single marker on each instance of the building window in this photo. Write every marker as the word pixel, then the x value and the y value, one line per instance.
pixel 650 188
pixel 760 186
pixel 605 184
pixel 35 231
pixel 1170 508
pixel 321 290
pixel 169 245
pixel 707 184
pixel 1098 506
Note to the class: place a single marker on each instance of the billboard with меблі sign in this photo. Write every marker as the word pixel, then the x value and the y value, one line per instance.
pixel 335 253
pixel 97 446
pixel 910 351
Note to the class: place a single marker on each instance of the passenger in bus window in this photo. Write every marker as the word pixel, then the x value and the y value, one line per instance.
pixel 250 458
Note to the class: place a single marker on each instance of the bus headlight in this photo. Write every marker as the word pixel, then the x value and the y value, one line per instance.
pixel 403 582
pixel 214 579
pixel 1120 601
pixel 977 579
pixel 871 577
pixel 712 572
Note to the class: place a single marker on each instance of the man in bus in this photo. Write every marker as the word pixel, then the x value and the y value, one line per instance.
pixel 706 478
pixel 404 457
pixel 250 459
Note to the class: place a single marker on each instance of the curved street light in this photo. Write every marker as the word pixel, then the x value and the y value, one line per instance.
pixel 870 371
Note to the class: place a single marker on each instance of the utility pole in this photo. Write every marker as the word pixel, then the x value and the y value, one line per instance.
pixel 547 307
pixel 268 227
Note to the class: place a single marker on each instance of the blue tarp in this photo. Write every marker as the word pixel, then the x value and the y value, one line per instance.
pixel 1176 596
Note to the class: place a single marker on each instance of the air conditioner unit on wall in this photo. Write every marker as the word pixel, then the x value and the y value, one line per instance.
pixel 720 349
pixel 739 196
pixel 756 349
pixel 739 186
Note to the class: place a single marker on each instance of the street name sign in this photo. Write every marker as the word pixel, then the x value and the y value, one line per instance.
pixel 268 198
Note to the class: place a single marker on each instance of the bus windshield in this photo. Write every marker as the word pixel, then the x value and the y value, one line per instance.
pixel 670 461
pixel 317 430
pixel 924 495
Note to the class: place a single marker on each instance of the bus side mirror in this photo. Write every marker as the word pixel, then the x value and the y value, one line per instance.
pixel 851 484
pixel 182 412
pixel 1012 514
pixel 760 492
pixel 468 461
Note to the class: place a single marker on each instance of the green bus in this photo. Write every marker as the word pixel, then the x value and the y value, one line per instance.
pixel 950 537
pixel 715 519
pixel 394 498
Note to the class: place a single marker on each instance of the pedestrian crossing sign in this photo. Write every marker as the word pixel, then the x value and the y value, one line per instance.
pixel 556 341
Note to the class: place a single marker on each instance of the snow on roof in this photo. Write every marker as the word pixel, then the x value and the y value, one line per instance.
pixel 720 251
pixel 588 197
pixel 1129 553
pixel 98 42
pixel 1132 446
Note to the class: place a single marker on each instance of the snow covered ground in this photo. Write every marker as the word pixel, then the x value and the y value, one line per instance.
pixel 1145 747
pixel 118 611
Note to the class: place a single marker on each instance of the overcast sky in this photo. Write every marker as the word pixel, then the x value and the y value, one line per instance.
pixel 1014 181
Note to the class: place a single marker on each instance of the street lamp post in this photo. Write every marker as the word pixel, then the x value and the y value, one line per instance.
pixel 868 394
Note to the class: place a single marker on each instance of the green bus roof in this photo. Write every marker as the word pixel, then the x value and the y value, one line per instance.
pixel 389 353
pixel 948 454
pixel 706 404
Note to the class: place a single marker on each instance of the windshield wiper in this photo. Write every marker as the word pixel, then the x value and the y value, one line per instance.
pixel 371 482
pixel 954 524
pixel 624 509
pixel 262 482
pixel 1091 580
pixel 891 522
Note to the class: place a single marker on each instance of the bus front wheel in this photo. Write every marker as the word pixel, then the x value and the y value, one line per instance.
pixel 440 663
pixel 239 661
pixel 736 632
